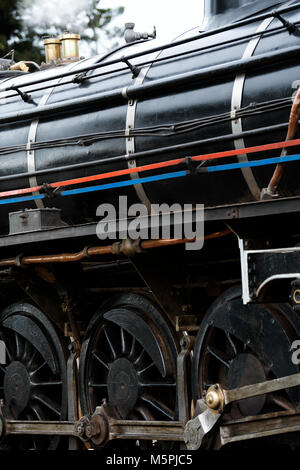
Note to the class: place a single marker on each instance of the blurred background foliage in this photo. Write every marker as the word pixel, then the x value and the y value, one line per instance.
pixel 24 23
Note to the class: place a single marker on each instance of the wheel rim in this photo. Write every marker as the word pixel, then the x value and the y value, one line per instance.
pixel 116 366
pixel 33 380
pixel 241 345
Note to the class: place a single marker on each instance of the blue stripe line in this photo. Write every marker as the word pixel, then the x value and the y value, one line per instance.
pixel 121 184
pixel 21 199
pixel 164 176
pixel 235 166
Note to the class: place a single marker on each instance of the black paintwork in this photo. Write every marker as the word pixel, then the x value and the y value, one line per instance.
pixel 182 103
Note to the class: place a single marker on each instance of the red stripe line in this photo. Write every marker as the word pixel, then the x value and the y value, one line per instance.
pixel 154 166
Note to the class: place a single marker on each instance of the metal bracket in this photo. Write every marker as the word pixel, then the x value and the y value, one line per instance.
pixel 291 27
pixel 261 268
pixel 216 400
pixel 25 97
pixel 186 344
pixel 79 78
pixel 72 382
pixel 135 70
pixel 131 36
pixel 197 428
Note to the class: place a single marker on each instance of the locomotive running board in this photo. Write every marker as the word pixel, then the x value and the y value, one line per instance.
pixel 250 210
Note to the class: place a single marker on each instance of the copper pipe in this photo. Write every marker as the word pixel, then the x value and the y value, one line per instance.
pixel 100 250
pixel 292 129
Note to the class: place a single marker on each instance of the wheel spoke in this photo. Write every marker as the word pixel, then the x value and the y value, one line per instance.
pixel 26 350
pixel 90 384
pixel 37 413
pixel 145 413
pixel 29 363
pixel 110 344
pixel 123 344
pixel 146 368
pixel 101 361
pixel 47 403
pixel 45 384
pixel 157 384
pixel 282 402
pixel 115 366
pixel 38 442
pixel 38 368
pixel 132 349
pixel 219 355
pixel 158 406
pixel 9 355
pixel 32 389
pixel 18 345
pixel 231 343
pixel 139 358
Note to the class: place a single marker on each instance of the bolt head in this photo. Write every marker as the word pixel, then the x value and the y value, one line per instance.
pixel 212 399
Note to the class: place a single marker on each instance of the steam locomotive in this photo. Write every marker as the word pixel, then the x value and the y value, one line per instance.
pixel 142 339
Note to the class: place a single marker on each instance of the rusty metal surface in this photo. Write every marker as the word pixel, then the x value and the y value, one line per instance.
pixel 260 389
pixel 292 130
pixel 40 428
pixel 182 388
pixel 103 428
pixel 147 430
pixel 129 249
pixel 260 426
pixel 197 428
pixel 72 380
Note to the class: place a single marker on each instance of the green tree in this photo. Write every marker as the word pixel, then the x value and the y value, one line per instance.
pixel 10 23
pixel 98 23
pixel 23 24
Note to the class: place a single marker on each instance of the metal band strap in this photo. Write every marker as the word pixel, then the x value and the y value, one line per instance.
pixel 32 138
pixel 130 141
pixel 236 104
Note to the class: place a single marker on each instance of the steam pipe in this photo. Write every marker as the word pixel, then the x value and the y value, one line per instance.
pixel 292 130
pixel 155 61
pixel 114 249
pixel 160 85
pixel 222 29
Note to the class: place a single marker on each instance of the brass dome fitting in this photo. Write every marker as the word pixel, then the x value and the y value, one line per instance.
pixel 70 46
pixel 215 398
pixel 52 49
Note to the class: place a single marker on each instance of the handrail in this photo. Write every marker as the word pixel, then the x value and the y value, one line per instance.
pixel 238 24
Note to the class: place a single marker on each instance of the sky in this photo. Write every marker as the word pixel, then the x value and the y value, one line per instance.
pixel 169 16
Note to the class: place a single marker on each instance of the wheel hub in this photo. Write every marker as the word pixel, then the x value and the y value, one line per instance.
pixel 17 386
pixel 246 369
pixel 122 384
